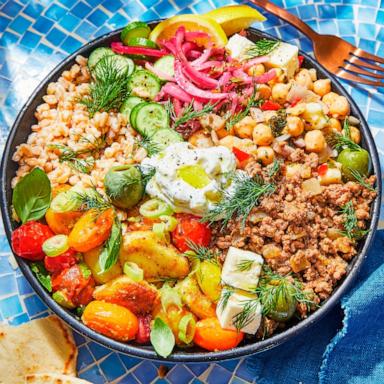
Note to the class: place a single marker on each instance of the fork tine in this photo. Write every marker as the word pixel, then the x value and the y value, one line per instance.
pixel 349 76
pixel 353 68
pixel 360 53
pixel 362 63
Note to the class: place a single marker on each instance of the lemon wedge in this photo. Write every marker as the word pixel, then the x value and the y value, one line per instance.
pixel 167 29
pixel 234 18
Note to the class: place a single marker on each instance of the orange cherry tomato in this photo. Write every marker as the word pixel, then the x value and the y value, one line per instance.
pixel 111 320
pixel 210 336
pixel 60 188
pixel 62 222
pixel 91 230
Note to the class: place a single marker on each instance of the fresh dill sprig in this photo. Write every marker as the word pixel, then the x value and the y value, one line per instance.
pixel 244 265
pixel 246 195
pixel 278 122
pixel 351 228
pixel 261 48
pixel 109 88
pixel 92 199
pixel 340 141
pixel 201 253
pixel 147 172
pixel 190 114
pixel 247 314
pixel 149 145
pixel 226 293
pixel 361 180
pixel 274 169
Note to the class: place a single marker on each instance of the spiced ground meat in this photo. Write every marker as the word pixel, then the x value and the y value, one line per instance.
pixel 299 232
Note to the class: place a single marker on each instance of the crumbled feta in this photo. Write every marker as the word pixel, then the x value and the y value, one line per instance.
pixel 284 56
pixel 314 115
pixel 238 45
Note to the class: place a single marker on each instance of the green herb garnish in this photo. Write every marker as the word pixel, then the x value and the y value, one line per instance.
pixel 109 88
pixel 110 253
pixel 278 122
pixel 261 48
pixel 162 338
pixel 361 180
pixel 32 196
pixel 351 228
pixel 91 199
pixel 42 275
pixel 340 141
pixel 247 314
pixel 274 169
pixel 244 265
pixel 201 253
pixel 149 145
pixel 226 293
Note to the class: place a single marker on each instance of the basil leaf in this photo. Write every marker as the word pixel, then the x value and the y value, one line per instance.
pixel 110 253
pixel 162 338
pixel 42 275
pixel 32 196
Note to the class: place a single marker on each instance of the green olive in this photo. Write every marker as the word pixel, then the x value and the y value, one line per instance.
pixel 353 161
pixel 284 302
pixel 124 186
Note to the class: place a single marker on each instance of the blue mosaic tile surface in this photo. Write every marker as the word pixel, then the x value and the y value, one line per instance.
pixel 36 35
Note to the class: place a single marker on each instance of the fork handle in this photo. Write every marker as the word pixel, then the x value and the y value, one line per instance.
pixel 288 17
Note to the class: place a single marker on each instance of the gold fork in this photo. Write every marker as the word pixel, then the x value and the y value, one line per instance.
pixel 335 54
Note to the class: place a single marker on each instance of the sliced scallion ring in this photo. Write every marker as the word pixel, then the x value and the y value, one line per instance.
pixel 187 326
pixel 169 221
pixel 161 232
pixel 66 201
pixel 133 271
pixel 56 245
pixel 169 297
pixel 155 208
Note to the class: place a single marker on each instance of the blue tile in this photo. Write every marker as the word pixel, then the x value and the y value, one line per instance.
pixel 33 9
pixel 81 10
pixel 93 375
pixel 344 12
pixel 244 372
pixel 98 18
pixel 69 21
pixel 4 22
pixel 30 39
pixel 179 375
pixel 366 14
pixel 326 11
pixel 55 36
pixel 10 306
pixel 42 24
pixel 70 44
pixel 346 29
pixel 307 11
pixel 20 24
pixel 117 21
pixel 112 367
pixel 8 285
pixel 218 375
pixel 11 8
pixel 375 118
pixel 230 365
pixel 84 358
pixel 367 45
pixel 98 350
pixel 136 10
pixel 129 379
pixel 149 15
pixel 145 372
pixel 85 30
pixel 328 27
pixel 20 319
pixel 112 6
pixel 34 305
pixel 79 339
pixel 129 361
pixel 380 17
pixel 23 286
pixel 198 368
pixel 55 12
pixel 202 7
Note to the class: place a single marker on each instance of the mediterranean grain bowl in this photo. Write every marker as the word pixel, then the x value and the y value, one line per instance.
pixel 187 191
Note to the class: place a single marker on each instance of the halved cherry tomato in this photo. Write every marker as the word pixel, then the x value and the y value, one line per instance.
pixel 63 261
pixel 270 106
pixel 91 230
pixel 111 320
pixel 190 228
pixel 210 336
pixel 62 222
pixel 301 59
pixel 240 155
pixel 322 169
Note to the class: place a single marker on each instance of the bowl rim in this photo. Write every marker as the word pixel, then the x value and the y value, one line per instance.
pixel 147 352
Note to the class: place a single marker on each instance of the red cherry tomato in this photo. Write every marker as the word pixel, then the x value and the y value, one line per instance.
pixel 28 239
pixel 143 334
pixel 322 169
pixel 240 155
pixel 63 261
pixel 270 106
pixel 301 59
pixel 190 228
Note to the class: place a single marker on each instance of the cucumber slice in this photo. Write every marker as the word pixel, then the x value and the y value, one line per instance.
pixel 120 63
pixel 166 65
pixel 97 55
pixel 142 42
pixel 128 105
pixel 144 84
pixel 164 137
pixel 149 118
pixel 134 29
pixel 134 110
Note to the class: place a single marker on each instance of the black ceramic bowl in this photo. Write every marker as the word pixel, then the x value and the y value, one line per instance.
pixel 22 128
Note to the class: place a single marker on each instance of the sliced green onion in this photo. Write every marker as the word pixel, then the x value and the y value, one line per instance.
pixel 65 202
pixel 187 326
pixel 84 269
pixel 161 232
pixel 133 271
pixel 56 245
pixel 155 208
pixel 169 221
pixel 169 296
pixel 61 298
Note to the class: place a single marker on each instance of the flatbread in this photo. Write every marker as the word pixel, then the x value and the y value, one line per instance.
pixel 43 345
pixel 53 378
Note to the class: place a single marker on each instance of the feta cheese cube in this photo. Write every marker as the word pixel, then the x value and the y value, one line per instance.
pixel 241 269
pixel 284 56
pixel 237 303
pixel 238 45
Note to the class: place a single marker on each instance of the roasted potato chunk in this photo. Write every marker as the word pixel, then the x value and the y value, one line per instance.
pixel 153 256
pixel 139 297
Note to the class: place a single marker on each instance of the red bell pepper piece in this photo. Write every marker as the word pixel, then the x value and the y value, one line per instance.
pixel 322 169
pixel 240 155
pixel 301 59
pixel 270 106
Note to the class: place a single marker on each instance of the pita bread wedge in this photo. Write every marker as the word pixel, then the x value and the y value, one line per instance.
pixel 53 378
pixel 43 345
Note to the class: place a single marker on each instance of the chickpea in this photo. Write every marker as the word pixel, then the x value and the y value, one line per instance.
pixel 264 91
pixel 266 155
pixel 314 141
pixel 334 124
pixel 339 107
pixel 304 79
pixel 280 92
pixel 201 139
pixel 329 98
pixel 322 87
pixel 297 110
pixel 295 126
pixel 212 121
pixel 244 127
pixel 313 74
pixel 355 134
pixel 262 134
pixel 230 141
pixel 256 70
